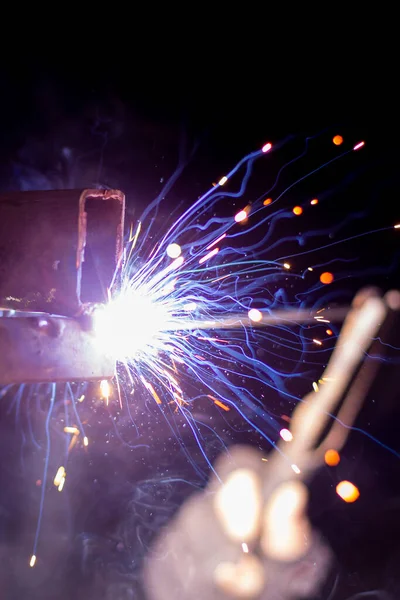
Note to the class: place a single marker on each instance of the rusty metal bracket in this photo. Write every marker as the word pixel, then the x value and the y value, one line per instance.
pixel 59 249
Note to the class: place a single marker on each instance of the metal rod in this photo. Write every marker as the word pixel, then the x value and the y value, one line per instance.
pixel 267 319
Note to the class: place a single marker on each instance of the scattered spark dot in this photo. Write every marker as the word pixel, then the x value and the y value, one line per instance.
pixel 326 278
pixel 245 547
pixel 174 250
pixel 337 140
pixel 329 332
pixel 359 145
pixel 267 201
pixel 315 386
pixel 59 479
pixel 332 458
pixel 221 237
pixel 38 482
pixel 241 216
pixel 266 148
pixel 347 491
pixel 81 398
pixel 286 435
pixel 286 265
pixel 223 180
pixel 72 430
pixel 209 255
pixel 314 201
pixel 32 561
pixel 298 210
pixel 310 269
pixel 85 441
pixel 264 459
pixel 221 404
pixel 255 315
pixel 190 306
pixel 317 342
pixel 296 469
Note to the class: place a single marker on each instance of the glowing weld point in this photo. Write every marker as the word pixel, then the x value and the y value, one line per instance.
pixel 209 255
pixel 296 469
pixel 286 265
pixel 397 226
pixel 174 250
pixel 223 180
pixel 245 547
pixel 359 145
pixel 32 562
pixel 286 435
pixel 241 216
pixel 266 148
pixel 255 315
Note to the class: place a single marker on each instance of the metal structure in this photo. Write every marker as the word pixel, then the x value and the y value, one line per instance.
pixel 59 253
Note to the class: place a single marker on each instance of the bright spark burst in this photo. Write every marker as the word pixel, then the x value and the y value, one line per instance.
pixel 157 322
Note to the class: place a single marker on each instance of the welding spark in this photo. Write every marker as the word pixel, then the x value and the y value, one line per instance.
pixel 183 281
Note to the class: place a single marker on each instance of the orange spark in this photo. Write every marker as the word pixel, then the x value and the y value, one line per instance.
pixel 326 278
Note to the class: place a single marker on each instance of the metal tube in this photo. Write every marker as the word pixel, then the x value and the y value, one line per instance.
pixel 59 249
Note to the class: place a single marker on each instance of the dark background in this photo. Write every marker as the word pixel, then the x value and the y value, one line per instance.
pixel 128 123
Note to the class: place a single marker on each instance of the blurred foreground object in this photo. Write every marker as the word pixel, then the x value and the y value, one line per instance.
pixel 249 537
pixel 59 253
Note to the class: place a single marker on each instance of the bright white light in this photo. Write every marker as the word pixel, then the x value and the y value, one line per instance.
pixel 131 324
pixel 286 435
pixel 241 216
pixel 255 315
pixel 174 250
pixel 190 306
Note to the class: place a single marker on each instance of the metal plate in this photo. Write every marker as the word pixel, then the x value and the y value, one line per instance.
pixel 51 349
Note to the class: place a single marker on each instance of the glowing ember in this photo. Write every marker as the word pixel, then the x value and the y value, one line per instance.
pixel 326 278
pixel 347 491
